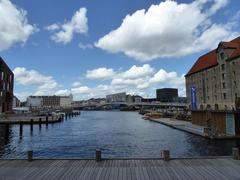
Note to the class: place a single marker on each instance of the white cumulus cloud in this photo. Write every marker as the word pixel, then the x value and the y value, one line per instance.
pixel 100 73
pixel 44 84
pixel 144 81
pixel 136 72
pixel 169 29
pixel 14 26
pixel 63 33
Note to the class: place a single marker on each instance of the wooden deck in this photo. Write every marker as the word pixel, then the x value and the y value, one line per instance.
pixel 221 168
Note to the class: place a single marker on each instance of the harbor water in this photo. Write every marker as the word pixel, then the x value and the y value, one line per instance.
pixel 117 134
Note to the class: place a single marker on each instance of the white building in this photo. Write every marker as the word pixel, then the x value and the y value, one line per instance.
pixel 119 97
pixel 16 102
pixel 35 101
pixel 66 101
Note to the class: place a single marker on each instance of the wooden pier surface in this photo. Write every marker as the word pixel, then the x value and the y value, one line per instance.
pixel 220 168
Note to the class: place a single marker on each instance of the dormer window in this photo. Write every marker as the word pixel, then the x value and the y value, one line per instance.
pixel 223 67
pixel 222 56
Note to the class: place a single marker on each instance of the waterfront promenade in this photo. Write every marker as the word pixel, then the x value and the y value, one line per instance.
pixel 136 169
pixel 187 126
pixel 180 125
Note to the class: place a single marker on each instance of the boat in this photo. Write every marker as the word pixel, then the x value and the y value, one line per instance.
pixel 147 116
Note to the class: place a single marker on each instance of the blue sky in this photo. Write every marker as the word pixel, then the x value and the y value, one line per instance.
pixel 91 49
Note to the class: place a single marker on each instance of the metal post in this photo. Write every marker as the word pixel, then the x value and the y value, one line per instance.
pixel 30 156
pixel 165 154
pixel 47 119
pixel 21 129
pixel 98 155
pixel 40 123
pixel 235 153
pixel 31 125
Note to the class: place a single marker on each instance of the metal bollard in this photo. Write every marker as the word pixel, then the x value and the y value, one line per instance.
pixel 98 155
pixel 165 154
pixel 30 156
pixel 235 153
pixel 47 119
pixel 31 125
pixel 40 123
pixel 21 129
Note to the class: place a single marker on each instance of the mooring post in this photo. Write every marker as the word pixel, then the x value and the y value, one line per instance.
pixel 30 156
pixel 165 154
pixel 235 153
pixel 98 155
pixel 47 119
pixel 21 128
pixel 31 125
pixel 40 123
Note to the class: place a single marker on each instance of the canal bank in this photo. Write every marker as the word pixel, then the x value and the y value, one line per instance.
pixel 180 125
pixel 208 124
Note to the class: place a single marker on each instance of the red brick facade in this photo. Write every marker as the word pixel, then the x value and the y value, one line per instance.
pixel 6 87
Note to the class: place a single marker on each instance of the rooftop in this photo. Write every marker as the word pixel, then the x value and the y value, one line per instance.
pixel 209 59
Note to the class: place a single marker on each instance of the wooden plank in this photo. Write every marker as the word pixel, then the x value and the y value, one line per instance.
pixel 121 169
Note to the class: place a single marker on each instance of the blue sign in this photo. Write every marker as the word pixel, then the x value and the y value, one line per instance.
pixel 193 98
pixel 230 124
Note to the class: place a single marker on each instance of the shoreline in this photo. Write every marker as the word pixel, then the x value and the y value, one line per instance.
pixel 188 127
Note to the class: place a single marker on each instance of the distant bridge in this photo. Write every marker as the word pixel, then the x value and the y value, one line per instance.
pixel 167 105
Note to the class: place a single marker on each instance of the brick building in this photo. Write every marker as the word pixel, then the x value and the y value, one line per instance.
pixel 6 87
pixel 37 102
pixel 215 78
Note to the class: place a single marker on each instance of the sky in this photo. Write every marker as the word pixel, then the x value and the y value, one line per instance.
pixel 93 48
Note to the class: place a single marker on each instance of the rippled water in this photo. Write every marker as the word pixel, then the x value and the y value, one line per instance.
pixel 117 134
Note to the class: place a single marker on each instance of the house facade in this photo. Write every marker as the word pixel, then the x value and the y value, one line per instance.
pixel 6 87
pixel 215 78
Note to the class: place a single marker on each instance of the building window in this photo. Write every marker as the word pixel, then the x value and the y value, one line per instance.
pixel 224 85
pixel 222 56
pixel 223 67
pixel 224 96
pixel 234 73
pixel 223 76
pixel 215 97
pixel 235 83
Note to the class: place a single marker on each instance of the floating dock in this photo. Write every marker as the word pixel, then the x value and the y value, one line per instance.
pixel 136 169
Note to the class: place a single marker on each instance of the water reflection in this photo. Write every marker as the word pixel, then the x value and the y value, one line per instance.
pixel 118 134
pixel 4 137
